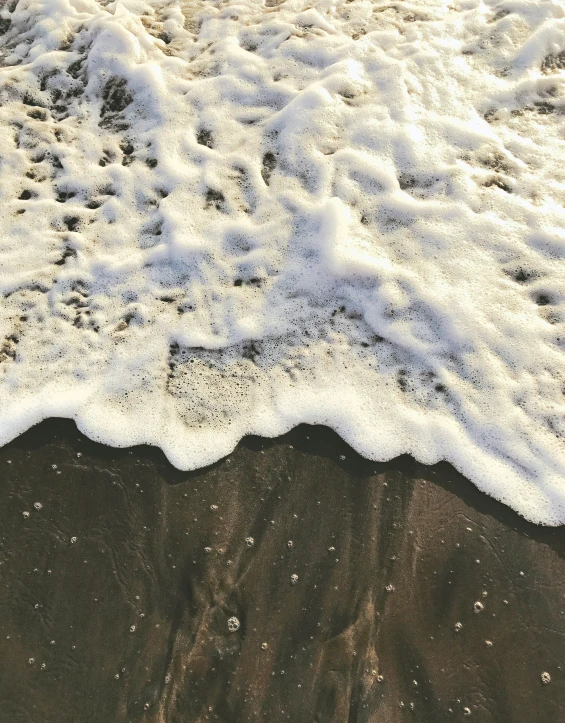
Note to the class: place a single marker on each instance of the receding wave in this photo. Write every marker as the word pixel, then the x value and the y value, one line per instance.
pixel 222 218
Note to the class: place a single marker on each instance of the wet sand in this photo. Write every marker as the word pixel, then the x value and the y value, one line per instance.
pixel 112 609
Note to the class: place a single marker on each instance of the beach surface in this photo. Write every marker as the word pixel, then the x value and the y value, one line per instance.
pixel 417 598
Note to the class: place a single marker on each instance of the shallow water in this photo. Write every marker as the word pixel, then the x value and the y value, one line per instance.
pixel 417 597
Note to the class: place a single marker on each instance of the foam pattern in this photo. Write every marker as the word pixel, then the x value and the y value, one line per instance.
pixel 229 217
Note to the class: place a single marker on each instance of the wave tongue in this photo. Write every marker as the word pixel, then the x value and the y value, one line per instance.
pixel 242 216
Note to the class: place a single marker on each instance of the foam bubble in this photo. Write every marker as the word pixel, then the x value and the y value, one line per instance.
pixel 223 218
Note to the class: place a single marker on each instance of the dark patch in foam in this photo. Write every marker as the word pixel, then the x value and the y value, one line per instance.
pixel 543 107
pixel 67 253
pixel 8 348
pixel 496 161
pixel 499 183
pixel 204 138
pixel 28 99
pixel 268 166
pixel 75 69
pixel 521 275
pixel 116 96
pixel 553 62
pixel 251 351
pixel 215 199
pixel 63 196
pixel 543 299
pixel 71 222
pixel 37 114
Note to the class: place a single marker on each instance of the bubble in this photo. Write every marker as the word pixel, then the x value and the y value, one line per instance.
pixel 293 579
pixel 545 678
pixel 233 624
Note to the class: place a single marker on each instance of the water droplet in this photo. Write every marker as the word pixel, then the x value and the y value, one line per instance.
pixel 233 624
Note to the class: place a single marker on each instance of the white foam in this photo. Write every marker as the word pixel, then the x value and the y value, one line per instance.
pixel 342 213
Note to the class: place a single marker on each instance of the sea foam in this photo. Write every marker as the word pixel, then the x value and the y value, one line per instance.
pixel 229 217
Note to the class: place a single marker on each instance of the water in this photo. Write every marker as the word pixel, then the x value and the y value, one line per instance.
pixel 239 217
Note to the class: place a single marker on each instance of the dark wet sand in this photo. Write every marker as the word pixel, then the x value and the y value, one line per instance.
pixel 129 621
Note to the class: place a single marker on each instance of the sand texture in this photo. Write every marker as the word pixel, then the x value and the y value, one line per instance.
pixel 130 619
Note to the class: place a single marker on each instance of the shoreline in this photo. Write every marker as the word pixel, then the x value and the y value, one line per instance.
pixel 99 557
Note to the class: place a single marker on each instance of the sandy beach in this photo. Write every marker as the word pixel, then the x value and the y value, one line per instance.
pixel 417 598
pixel 221 220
